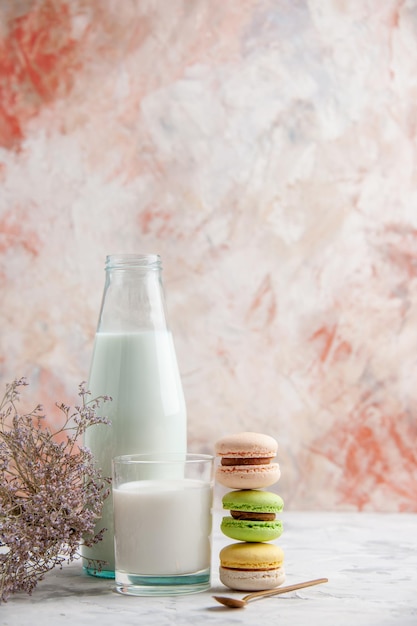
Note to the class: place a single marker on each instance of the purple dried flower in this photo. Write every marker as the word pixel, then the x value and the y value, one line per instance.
pixel 51 492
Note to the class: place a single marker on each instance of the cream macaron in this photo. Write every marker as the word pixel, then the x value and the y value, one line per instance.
pixel 246 461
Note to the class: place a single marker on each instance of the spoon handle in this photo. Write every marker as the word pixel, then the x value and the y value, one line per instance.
pixel 276 592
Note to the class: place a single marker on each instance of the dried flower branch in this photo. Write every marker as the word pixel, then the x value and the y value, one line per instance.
pixel 51 493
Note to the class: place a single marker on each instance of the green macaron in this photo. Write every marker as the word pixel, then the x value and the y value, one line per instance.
pixel 253 514
pixel 251 530
pixel 253 501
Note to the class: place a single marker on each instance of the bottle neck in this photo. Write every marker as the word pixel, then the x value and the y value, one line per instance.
pixel 133 299
pixel 131 262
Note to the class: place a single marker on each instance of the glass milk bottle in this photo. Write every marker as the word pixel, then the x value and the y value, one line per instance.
pixel 134 362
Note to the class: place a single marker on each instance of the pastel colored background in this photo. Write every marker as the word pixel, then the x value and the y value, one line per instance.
pixel 266 149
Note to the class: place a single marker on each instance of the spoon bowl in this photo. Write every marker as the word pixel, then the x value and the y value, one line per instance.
pixel 235 603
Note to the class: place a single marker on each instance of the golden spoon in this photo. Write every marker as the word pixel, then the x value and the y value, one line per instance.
pixel 234 603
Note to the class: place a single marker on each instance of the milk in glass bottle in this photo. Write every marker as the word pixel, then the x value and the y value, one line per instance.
pixel 134 362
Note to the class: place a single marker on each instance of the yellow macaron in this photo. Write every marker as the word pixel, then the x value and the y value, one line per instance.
pixel 252 566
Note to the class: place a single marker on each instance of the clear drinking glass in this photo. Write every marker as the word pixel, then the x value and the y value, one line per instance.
pixel 162 523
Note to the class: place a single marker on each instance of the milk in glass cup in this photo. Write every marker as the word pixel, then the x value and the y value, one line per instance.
pixel 162 523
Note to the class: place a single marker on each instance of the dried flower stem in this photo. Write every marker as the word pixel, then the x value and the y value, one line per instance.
pixel 51 492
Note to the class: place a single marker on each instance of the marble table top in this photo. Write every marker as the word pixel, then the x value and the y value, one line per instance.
pixel 370 560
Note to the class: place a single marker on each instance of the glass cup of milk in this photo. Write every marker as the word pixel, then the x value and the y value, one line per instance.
pixel 162 507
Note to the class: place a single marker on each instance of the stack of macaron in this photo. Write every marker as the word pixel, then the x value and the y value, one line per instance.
pixel 246 467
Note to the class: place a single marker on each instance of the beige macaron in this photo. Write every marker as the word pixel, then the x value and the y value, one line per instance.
pixel 246 461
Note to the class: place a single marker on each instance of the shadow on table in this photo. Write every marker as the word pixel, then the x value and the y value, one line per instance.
pixel 68 582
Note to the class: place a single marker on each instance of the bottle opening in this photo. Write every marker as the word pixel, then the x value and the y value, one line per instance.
pixel 128 261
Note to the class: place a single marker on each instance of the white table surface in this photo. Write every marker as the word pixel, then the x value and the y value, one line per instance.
pixel 369 558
